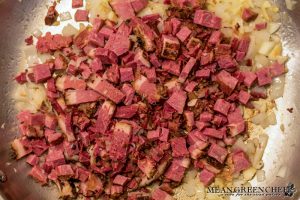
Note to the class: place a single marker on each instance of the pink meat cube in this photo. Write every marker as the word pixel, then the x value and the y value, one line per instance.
pixel 183 33
pixel 126 74
pixel 212 132
pixel 164 135
pixel 81 16
pixel 215 38
pixel 190 86
pixel 38 174
pixel 203 73
pixel 248 15
pixel 227 82
pixel 159 194
pixel 153 135
pixel 240 161
pixel 120 180
pixel 264 76
pixel 222 106
pixel 179 147
pixel 129 93
pixel 77 3
pixel 175 172
pixel 126 112
pixel 41 73
pixel 207 19
pixel 138 5
pixel 244 97
pixel 250 78
pixel 177 101
pixel 123 9
pixel 187 69
pixel 122 41
pixel 217 152
pixel 206 177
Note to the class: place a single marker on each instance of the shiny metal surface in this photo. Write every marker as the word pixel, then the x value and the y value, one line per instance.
pixel 19 18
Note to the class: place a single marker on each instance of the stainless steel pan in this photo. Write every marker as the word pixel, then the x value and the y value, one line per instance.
pixel 19 18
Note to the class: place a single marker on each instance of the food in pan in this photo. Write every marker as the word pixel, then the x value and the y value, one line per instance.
pixel 150 99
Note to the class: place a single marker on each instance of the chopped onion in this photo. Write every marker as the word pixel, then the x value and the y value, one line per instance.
pixel 266 47
pixel 249 173
pixel 192 103
pixel 277 87
pixel 260 175
pixel 37 33
pixel 263 140
pixel 290 4
pixel 69 30
pixel 261 61
pixel 273 27
pixel 64 16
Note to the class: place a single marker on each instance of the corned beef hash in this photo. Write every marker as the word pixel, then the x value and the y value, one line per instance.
pixel 145 99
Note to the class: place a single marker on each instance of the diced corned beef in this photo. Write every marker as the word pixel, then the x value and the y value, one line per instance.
pixel 124 29
pixel 215 38
pixel 97 39
pixel 19 148
pixel 55 157
pixel 277 69
pixel 159 194
pixel 147 166
pixel 105 113
pixel 85 70
pixel 112 74
pixel 189 116
pixel 96 65
pixel 183 33
pixel 219 120
pixel 227 82
pixel 187 69
pixel 150 73
pixel 106 32
pixel 207 19
pixel 240 161
pixel 164 135
pixel 226 62
pixel 206 117
pixel 53 137
pixel 206 177
pixel 191 86
pixel 21 78
pixel 50 121
pixel 65 124
pixel 145 33
pixel 60 62
pixel 122 41
pixel 106 56
pixel 82 174
pixel 203 73
pixel 49 43
pixel 244 97
pixel 177 100
pixel 126 74
pixel 212 132
pixel 261 26
pixel 106 89
pixel 175 172
pixel 77 3
pixel 140 59
pixel 81 15
pixel 74 97
pixel 41 73
pixel 264 76
pixel 259 92
pixel 151 18
pixel 175 25
pixel 154 60
pixel 179 147
pixel 172 67
pixel 138 5
pixel 249 15
pixel 32 160
pixel 36 119
pixel 153 135
pixel 222 106
pixel 170 48
pixel 143 87
pixel 250 78
pixel 65 170
pixel 120 141
pixel 126 112
pixel 116 190
pixel 236 122
pixel 69 82
pixel 244 44
pixel 123 9
pixel 201 125
pixel 129 93
pixel 120 180
pixel 217 152
pixel 38 174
